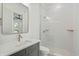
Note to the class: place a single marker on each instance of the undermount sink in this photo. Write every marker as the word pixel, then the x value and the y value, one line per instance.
pixel 23 42
pixel 18 44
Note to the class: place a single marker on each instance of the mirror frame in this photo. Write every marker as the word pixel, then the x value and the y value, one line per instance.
pixel 27 19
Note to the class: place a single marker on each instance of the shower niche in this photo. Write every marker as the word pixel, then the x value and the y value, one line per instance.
pixel 15 18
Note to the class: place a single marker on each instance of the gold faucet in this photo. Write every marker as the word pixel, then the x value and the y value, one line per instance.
pixel 19 37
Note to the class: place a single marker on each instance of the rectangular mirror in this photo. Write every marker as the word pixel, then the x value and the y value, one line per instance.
pixel 15 18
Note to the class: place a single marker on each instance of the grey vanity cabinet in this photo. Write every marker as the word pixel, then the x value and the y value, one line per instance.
pixel 30 51
pixel 20 53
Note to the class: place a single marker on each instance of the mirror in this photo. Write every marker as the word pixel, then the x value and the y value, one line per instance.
pixel 15 18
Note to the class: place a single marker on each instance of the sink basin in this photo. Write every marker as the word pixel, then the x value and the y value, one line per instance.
pixel 23 42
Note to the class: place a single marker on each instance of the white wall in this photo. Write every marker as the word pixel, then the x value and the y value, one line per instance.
pixel 76 32
pixel 33 27
pixel 61 18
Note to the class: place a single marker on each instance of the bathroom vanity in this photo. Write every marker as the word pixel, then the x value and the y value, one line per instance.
pixel 29 51
pixel 26 48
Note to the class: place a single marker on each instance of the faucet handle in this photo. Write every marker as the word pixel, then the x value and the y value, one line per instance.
pixel 20 36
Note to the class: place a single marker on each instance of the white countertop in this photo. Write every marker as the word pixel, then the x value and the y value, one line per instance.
pixel 10 48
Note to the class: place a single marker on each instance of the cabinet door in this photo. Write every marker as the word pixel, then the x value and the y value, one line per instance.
pixel 33 50
pixel 20 53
